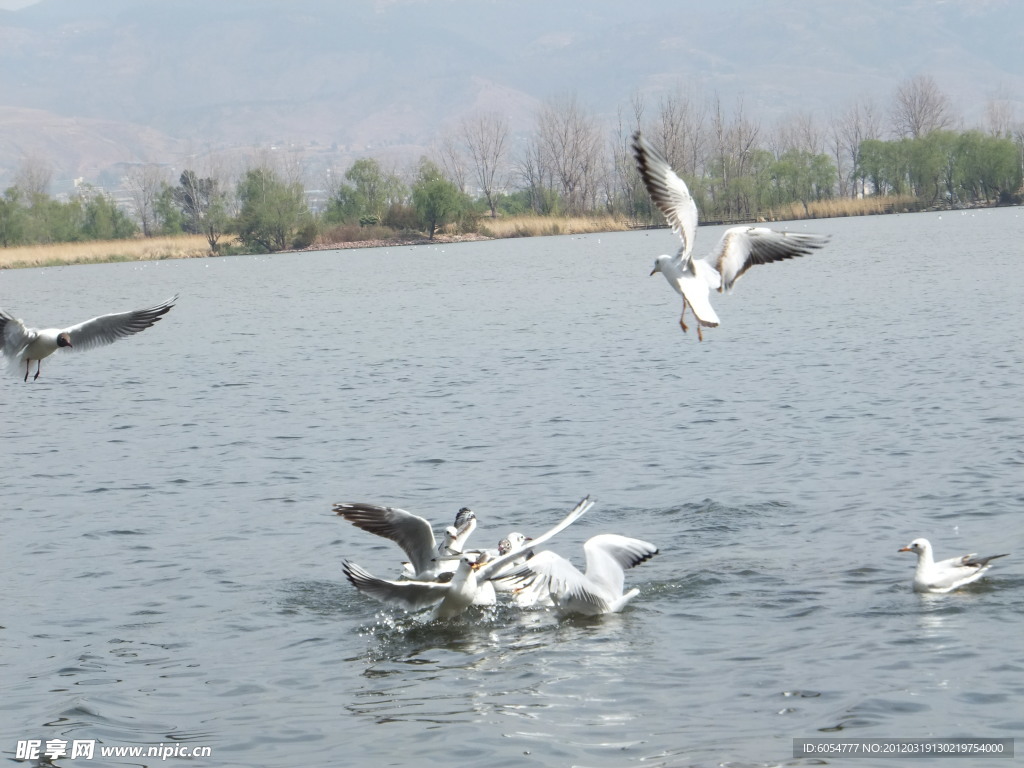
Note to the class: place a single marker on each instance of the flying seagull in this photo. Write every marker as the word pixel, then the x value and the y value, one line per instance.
pixel 739 249
pixel 945 575
pixel 600 589
pixel 451 598
pixel 23 344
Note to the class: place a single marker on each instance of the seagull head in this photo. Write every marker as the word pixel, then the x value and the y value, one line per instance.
pixel 514 540
pixel 917 546
pixel 64 340
pixel 659 262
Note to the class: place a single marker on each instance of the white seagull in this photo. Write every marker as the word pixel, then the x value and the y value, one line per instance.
pixel 23 344
pixel 739 249
pixel 600 589
pixel 945 575
pixel 449 599
pixel 414 535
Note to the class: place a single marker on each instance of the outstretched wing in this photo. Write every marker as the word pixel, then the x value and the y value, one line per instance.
pixel 411 595
pixel 609 554
pixel 668 192
pixel 492 567
pixel 106 329
pixel 740 248
pixel 14 336
pixel 411 532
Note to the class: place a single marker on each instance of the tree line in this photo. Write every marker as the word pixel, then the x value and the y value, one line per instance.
pixel 573 163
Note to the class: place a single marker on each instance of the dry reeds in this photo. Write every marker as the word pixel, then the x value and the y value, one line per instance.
pixel 142 249
pixel 842 206
pixel 539 226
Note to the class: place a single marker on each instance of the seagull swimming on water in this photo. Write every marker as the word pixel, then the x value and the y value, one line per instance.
pixel 945 575
pixel 451 598
pixel 20 343
pixel 739 249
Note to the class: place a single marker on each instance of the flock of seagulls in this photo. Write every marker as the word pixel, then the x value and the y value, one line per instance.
pixel 440 574
pixel 449 579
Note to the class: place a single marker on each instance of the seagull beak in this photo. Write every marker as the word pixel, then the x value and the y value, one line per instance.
pixel 904 549
pixel 653 271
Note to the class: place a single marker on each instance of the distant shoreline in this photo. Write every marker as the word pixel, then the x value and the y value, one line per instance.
pixel 195 246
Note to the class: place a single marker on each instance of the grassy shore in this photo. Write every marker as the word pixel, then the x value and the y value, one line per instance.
pixel 843 206
pixel 540 226
pixel 136 249
pixel 194 246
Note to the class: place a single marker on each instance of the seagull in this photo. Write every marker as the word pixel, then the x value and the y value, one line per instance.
pixel 739 249
pixel 600 589
pixel 945 575
pixel 23 344
pixel 414 535
pixel 451 598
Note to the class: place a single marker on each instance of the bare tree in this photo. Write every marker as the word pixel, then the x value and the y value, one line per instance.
pixel 798 131
pixel 735 144
pixel 452 160
pixel 144 184
pixel 485 137
pixel 630 188
pixel 534 175
pixel 860 122
pixel 919 107
pixel 680 129
pixel 571 146
pixel 999 114
pixel 33 177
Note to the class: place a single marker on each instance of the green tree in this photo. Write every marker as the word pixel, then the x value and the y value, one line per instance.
pixel 435 198
pixel 367 197
pixel 168 214
pixel 12 218
pixel 102 219
pixel 987 165
pixel 273 212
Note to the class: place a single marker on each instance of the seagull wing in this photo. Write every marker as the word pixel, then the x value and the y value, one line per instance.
pixel 668 192
pixel 609 555
pixel 979 562
pixel 106 329
pixel 411 595
pixel 492 567
pixel 14 336
pixel 740 248
pixel 566 584
pixel 411 532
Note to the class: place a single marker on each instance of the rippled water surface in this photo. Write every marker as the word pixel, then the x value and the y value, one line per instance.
pixel 172 570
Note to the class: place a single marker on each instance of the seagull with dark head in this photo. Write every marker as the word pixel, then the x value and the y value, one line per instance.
pixel 21 344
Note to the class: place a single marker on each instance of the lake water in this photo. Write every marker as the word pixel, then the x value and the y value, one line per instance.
pixel 172 569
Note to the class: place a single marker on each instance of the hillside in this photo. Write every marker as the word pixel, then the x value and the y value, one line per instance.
pixel 87 86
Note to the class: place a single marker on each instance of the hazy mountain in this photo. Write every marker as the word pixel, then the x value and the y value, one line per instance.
pixel 86 85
